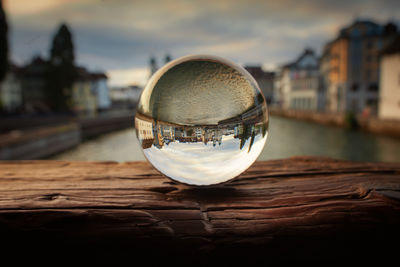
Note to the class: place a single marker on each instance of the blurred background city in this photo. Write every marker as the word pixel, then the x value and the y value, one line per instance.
pixel 71 72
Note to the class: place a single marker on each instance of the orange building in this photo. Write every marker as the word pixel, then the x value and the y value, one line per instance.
pixel 339 60
pixel 350 66
pixel 334 69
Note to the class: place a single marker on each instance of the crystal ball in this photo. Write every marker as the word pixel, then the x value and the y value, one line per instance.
pixel 201 120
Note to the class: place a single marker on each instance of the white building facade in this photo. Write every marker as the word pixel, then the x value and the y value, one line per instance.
pixel 11 92
pixel 389 99
pixel 101 90
pixel 299 86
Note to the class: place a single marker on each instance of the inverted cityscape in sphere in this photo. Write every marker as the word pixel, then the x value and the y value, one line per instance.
pixel 201 120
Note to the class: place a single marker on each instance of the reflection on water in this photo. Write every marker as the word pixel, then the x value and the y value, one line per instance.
pixel 204 154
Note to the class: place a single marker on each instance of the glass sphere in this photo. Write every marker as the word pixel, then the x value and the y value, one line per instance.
pixel 201 120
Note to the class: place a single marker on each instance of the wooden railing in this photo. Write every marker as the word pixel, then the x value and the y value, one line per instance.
pixel 302 208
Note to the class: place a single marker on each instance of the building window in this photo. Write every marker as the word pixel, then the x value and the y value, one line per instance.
pixel 379 44
pixel 372 103
pixel 354 105
pixel 368 75
pixel 373 87
pixel 354 87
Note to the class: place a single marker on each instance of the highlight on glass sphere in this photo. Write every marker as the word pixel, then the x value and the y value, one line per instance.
pixel 201 120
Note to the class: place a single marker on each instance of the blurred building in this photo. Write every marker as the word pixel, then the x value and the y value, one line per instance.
pixel 350 66
pixel 90 92
pixel 33 82
pixel 125 97
pixel 11 91
pixel 83 99
pixel 153 66
pixel 264 79
pixel 297 84
pixel 167 58
pixel 100 90
pixel 389 100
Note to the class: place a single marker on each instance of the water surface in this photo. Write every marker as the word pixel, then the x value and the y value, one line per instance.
pixel 286 138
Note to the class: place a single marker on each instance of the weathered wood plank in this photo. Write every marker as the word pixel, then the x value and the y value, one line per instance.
pixel 306 208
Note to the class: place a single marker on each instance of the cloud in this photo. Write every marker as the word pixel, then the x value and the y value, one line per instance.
pixel 27 7
pixel 123 34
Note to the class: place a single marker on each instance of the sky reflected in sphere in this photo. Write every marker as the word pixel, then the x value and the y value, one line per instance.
pixel 201 120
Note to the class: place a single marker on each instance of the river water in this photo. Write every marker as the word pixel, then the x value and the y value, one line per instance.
pixel 287 137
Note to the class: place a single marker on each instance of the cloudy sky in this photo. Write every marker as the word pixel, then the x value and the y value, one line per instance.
pixel 119 36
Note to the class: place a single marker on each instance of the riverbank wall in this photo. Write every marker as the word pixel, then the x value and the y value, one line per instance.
pixel 39 143
pixel 49 139
pixel 367 124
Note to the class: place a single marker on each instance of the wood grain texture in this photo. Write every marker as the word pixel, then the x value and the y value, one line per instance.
pixel 301 208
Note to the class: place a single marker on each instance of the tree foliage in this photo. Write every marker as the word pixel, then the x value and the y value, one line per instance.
pixel 3 42
pixel 61 73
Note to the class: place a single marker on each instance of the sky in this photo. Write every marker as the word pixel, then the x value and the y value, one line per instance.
pixel 119 36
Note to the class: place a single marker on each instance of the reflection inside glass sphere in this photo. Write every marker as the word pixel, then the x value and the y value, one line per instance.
pixel 201 120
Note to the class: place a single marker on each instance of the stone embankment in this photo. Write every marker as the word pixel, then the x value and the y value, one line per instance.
pixel 41 141
pixel 368 124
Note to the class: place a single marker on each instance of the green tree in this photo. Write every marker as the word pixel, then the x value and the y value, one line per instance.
pixel 61 73
pixel 3 43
